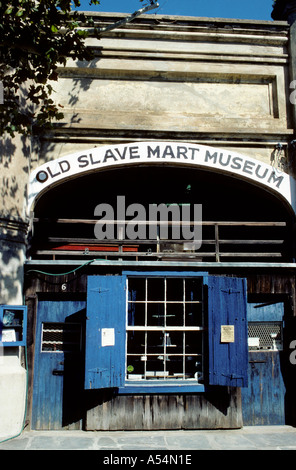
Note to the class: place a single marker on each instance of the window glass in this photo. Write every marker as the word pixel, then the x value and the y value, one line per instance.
pixel 12 325
pixel 164 328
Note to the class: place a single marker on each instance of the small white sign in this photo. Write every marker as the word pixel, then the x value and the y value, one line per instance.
pixel 254 342
pixel 8 336
pixel 108 337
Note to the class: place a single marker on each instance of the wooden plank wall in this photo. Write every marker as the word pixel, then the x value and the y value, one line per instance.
pixel 219 408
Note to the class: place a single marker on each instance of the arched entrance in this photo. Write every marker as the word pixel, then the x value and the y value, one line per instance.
pixel 240 221
pixel 241 224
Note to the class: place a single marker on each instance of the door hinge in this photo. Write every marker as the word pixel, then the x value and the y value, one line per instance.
pixel 230 291
pixel 100 290
pixel 233 377
pixel 97 370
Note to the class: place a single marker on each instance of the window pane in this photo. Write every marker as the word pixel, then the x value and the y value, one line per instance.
pixel 193 342
pixel 174 342
pixel 175 315
pixel 155 314
pixel 174 366
pixel 136 314
pixel 155 342
pixel 193 314
pixel 192 367
pixel 193 289
pixel 136 289
pixel 155 368
pixel 174 289
pixel 155 289
pixel 136 342
pixel 135 368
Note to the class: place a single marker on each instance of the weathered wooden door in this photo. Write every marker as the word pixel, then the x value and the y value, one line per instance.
pixel 263 402
pixel 59 365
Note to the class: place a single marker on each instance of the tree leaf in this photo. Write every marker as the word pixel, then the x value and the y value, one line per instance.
pixel 32 49
pixel 20 12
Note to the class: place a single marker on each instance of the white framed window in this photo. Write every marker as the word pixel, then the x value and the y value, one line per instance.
pixel 151 332
pixel 165 324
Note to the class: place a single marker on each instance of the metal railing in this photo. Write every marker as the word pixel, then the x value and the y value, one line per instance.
pixel 221 240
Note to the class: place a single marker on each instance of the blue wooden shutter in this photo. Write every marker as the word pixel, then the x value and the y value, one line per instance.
pixel 227 305
pixel 105 332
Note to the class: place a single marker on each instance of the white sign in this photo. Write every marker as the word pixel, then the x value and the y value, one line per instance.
pixel 170 153
pixel 8 336
pixel 254 342
pixel 108 337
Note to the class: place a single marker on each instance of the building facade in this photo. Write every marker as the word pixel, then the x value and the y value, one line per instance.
pixel 180 312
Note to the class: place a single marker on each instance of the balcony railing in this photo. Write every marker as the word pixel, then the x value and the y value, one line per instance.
pixel 221 241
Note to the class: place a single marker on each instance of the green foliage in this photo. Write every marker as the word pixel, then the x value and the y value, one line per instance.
pixel 36 37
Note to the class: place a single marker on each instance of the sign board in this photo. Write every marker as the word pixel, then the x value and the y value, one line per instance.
pixel 108 337
pixel 164 153
pixel 227 333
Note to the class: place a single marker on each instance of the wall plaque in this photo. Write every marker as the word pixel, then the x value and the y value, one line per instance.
pixel 227 333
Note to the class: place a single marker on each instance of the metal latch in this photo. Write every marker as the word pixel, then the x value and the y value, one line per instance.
pixel 232 376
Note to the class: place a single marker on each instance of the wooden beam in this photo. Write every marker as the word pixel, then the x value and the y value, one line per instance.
pixel 170 223
pixel 95 241
pixel 145 254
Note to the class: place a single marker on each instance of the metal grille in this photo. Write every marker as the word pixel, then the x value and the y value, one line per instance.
pixel 61 337
pixel 265 336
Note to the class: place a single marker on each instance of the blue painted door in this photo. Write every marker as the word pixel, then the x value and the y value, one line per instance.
pixel 227 311
pixel 263 402
pixel 59 365
pixel 105 332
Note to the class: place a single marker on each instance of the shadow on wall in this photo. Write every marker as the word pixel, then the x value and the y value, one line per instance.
pixel 12 254
pixel 15 167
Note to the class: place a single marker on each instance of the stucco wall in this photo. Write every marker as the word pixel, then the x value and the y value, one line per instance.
pixel 219 82
pixel 14 172
pixel 12 393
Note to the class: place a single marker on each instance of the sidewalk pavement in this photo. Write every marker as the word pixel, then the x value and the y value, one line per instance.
pixel 247 438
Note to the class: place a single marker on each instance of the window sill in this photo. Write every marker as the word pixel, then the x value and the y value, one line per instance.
pixel 153 388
